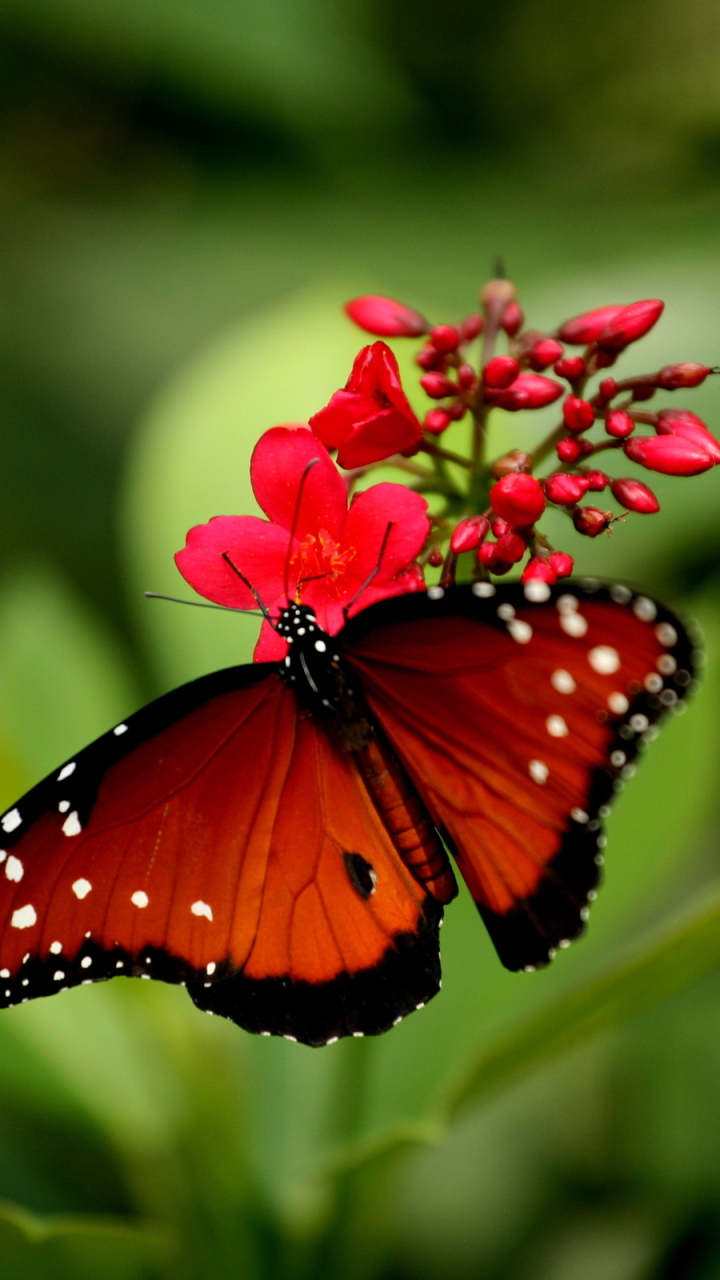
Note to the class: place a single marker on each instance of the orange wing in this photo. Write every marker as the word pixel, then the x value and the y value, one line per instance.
pixel 219 839
pixel 517 719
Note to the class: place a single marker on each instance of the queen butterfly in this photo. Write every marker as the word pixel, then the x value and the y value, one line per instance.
pixel 269 835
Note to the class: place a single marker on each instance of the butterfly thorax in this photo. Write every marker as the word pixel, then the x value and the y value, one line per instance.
pixel 315 671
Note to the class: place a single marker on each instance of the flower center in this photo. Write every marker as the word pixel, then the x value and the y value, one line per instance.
pixel 321 557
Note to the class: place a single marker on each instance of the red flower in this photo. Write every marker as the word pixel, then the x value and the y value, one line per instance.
pixel 334 551
pixel 371 419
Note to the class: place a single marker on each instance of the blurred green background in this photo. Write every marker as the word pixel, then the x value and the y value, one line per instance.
pixel 189 191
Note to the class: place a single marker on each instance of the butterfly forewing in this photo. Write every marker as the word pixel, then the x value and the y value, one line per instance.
pixel 517 717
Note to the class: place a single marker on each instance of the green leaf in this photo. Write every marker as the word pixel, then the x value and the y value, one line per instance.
pixel 76 1248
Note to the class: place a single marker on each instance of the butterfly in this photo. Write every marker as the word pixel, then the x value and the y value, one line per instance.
pixel 275 836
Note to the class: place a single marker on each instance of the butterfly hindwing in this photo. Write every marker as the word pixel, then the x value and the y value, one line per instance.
pixel 218 838
pixel 517 713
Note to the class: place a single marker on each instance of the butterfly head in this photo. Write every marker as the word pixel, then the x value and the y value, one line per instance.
pixel 311 664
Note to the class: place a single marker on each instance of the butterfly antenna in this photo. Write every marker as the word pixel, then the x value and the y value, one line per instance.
pixel 375 572
pixel 263 608
pixel 197 604
pixel 294 525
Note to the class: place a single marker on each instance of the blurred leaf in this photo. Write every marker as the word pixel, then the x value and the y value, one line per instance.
pixel 76 1248
pixel 63 678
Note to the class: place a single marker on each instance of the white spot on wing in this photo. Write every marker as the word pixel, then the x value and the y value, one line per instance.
pixel 86 962
pixel 573 624
pixel 71 826
pixel 556 727
pixel 14 869
pixel 644 609
pixel 63 806
pixel 81 889
pixel 538 771
pixel 119 728
pixel 210 968
pixel 618 703
pixel 578 815
pixel 604 659
pixel 56 948
pixel 536 591
pixel 66 770
pixel 563 681
pixel 666 634
pixel 436 593
pixel 483 590
pixel 24 917
pixel 201 908
pixel 11 821
pixel 520 631
pixel 320 646
pixel 139 898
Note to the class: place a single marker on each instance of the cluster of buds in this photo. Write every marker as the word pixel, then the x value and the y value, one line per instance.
pixel 505 530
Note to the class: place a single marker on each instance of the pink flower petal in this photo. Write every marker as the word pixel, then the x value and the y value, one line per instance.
pixel 270 646
pixel 366 525
pixel 277 468
pixel 257 548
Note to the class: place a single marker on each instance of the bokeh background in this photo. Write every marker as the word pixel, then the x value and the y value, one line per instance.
pixel 189 190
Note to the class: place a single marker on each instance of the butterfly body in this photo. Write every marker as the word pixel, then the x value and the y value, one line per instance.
pixel 270 835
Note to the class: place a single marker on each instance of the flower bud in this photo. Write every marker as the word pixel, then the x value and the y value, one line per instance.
pixel 591 520
pixel 469 533
pixel 565 490
pixel 671 455
pixel 540 570
pixel 456 410
pixel 499 526
pixel 437 385
pixel 436 421
pixel 681 422
pixel 672 376
pixel 428 357
pixel 385 317
pixel 501 372
pixel 519 499
pixel 516 460
pixel 570 367
pixel 585 328
pixel 578 414
pixel 604 359
pixel 487 554
pixel 608 389
pixel 435 558
pixel 572 449
pixel 445 338
pixel 619 424
pixel 471 327
pixel 561 563
pixel 635 495
pixel 596 481
pixel 511 547
pixel 629 324
pixel 544 353
pixel 496 295
pixel 643 391
pixel 528 391
pixel 512 320
pixel 467 377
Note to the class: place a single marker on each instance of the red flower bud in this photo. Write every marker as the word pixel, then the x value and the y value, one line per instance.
pixel 429 357
pixel 596 481
pixel 629 324
pixel 501 372
pixel 539 569
pixel 604 359
pixel 466 377
pixel 456 410
pixel 608 388
pixel 511 547
pixel 436 421
pixel 578 414
pixel 544 353
pixel 565 490
pixel 515 460
pixel 570 367
pixel 472 327
pixel 499 527
pixel 518 498
pixel 591 520
pixel 513 316
pixel 681 422
pixel 445 337
pixel 385 317
pixel 572 449
pixel 435 558
pixel 487 554
pixel 437 385
pixel 469 533
pixel 635 495
pixel 672 376
pixel 672 455
pixel 619 424
pixel 585 328
pixel 528 391
pixel 562 563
